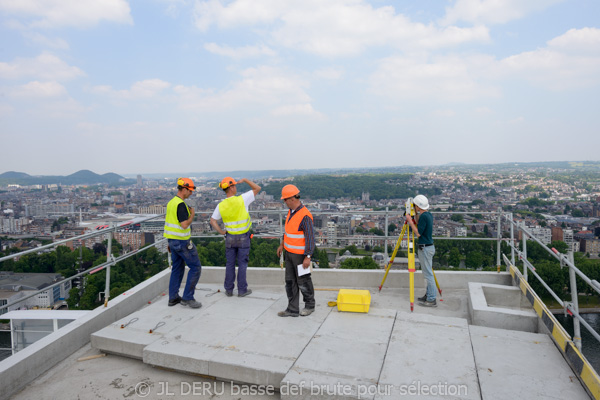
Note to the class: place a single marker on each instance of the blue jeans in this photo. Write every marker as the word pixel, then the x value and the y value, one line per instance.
pixel 182 255
pixel 426 260
pixel 237 248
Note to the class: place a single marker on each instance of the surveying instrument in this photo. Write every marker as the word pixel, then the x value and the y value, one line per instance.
pixel 410 245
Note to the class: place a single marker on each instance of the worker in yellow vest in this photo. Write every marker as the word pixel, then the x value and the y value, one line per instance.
pixel 299 244
pixel 178 220
pixel 236 220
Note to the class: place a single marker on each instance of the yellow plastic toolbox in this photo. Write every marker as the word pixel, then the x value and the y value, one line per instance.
pixel 354 300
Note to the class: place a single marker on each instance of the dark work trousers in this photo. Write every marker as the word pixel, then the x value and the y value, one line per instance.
pixel 294 284
pixel 237 247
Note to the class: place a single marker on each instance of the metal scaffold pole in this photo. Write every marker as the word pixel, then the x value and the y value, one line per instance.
pixel 499 237
pixel 108 258
pixel 385 252
pixel 575 301
pixel 512 240
pixel 524 254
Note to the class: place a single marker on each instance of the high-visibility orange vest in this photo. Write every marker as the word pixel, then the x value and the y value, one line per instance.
pixel 293 240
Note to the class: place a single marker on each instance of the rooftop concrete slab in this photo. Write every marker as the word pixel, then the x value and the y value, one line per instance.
pixel 194 343
pixel 240 343
pixel 344 359
pixel 116 377
pixel 429 357
pixel 131 334
pixel 523 365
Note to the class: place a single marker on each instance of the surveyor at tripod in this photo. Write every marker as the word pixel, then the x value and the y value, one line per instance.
pixel 424 231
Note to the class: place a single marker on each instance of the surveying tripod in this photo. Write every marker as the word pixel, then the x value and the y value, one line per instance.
pixel 410 240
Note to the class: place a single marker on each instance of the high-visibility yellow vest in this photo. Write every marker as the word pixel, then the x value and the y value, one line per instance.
pixel 173 229
pixel 235 216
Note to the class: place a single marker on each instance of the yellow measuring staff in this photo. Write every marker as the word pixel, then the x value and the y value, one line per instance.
pixel 410 239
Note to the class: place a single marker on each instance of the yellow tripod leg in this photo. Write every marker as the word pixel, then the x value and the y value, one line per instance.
pixel 387 270
pixel 437 284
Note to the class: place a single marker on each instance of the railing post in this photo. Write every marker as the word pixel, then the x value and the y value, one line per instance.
pixel 512 239
pixel 108 258
pixel 574 301
pixel 499 237
pixel 386 235
pixel 524 253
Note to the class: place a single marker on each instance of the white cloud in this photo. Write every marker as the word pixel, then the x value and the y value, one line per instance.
pixel 584 41
pixel 46 66
pixel 59 13
pixel 570 61
pixel 238 53
pixel 45 41
pixel 239 12
pixel 444 113
pixel 493 11
pixel 173 6
pixel 6 110
pixel 445 78
pixel 297 109
pixel 141 90
pixel 38 89
pixel 263 86
pixel 332 28
pixel 329 73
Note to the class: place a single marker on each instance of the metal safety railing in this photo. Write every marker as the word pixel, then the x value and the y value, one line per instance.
pixel 110 259
pixel 565 260
pixel 499 216
pixel 281 213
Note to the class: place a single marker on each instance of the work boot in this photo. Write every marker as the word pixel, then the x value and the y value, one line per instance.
pixel 191 303
pixel 427 303
pixel 246 293
pixel 174 301
pixel 307 311
pixel 229 293
pixel 423 298
pixel 286 313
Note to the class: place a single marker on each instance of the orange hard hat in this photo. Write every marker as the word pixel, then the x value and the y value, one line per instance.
pixel 226 182
pixel 289 191
pixel 186 183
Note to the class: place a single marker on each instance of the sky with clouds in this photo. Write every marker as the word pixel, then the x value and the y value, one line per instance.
pixel 150 86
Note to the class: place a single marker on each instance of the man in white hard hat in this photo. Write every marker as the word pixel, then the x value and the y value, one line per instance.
pixel 424 231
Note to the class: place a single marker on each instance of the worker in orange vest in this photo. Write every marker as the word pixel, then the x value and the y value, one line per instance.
pixel 299 245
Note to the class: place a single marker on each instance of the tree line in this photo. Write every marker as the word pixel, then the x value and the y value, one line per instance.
pixel 380 186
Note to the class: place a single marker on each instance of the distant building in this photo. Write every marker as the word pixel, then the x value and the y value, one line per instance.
pixel 25 284
pixel 331 232
pixel 154 209
pixel 591 246
pixel 544 235
pixel 139 181
pixel 557 234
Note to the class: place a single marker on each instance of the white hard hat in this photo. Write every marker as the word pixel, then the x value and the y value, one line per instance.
pixel 421 202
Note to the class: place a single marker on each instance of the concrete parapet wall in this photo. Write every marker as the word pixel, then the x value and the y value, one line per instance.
pixel 353 278
pixel 19 370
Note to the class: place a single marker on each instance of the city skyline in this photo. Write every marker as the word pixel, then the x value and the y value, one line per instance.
pixel 176 85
